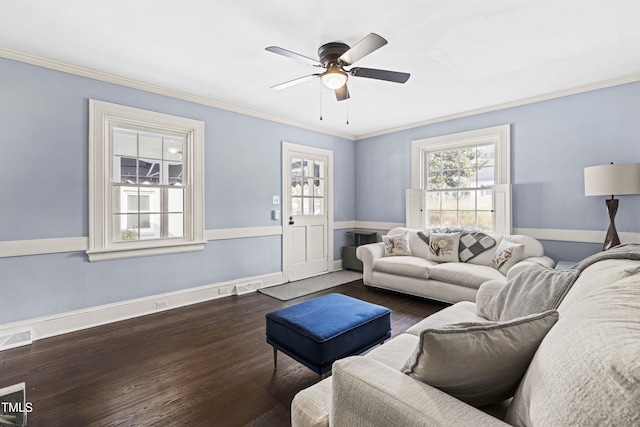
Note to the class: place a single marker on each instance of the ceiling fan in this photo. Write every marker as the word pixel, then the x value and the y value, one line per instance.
pixel 333 57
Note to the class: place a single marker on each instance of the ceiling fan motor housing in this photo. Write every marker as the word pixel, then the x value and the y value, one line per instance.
pixel 330 52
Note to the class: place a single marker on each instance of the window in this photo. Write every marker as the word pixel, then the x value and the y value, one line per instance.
pixel 462 180
pixel 146 189
pixel 459 188
pixel 307 187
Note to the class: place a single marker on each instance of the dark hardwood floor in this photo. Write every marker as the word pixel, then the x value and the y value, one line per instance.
pixel 203 365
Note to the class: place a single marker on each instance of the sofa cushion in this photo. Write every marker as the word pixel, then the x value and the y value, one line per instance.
pixel 470 275
pixel 587 368
pixel 409 266
pixel 443 247
pixel 479 363
pixel 507 255
pixel 396 244
pixel 533 290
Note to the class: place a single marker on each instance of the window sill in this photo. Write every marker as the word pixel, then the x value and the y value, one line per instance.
pixel 122 253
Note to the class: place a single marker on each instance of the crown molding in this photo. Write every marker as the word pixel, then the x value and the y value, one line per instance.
pixel 135 84
pixel 632 78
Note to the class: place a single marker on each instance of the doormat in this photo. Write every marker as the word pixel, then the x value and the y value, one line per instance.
pixel 303 287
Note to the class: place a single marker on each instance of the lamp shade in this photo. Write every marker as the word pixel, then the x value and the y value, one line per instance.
pixel 613 179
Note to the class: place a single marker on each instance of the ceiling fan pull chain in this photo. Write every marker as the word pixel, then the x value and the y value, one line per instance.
pixel 321 103
pixel 347 111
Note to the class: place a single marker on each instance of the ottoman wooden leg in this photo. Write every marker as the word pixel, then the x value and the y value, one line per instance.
pixel 275 358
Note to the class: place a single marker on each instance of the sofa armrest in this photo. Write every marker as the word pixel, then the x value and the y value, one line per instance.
pixel 525 263
pixel 369 393
pixel 485 290
pixel 366 254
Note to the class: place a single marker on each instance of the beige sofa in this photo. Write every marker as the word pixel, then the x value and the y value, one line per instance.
pixel 447 281
pixel 585 372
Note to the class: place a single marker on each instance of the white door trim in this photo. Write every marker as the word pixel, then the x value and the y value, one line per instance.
pixel 286 208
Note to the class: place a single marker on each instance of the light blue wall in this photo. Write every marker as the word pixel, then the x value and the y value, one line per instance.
pixel 552 142
pixel 44 165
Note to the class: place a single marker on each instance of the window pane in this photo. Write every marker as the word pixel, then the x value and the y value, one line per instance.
pixel 485 199
pixel 173 147
pixel 318 169
pixel 148 172
pixel 449 200
pixel 132 203
pixel 467 178
pixel 467 220
pixel 124 169
pixel 150 200
pixel 125 142
pixel 449 219
pixel 486 156
pixel 150 145
pixel 486 177
pixel 296 167
pixel 120 198
pixel 296 186
pixel 485 221
pixel 149 226
pixel 175 173
pixel 433 200
pixel 467 200
pixel 125 227
pixel 175 200
pixel 306 206
pixel 175 223
pixel 318 206
pixel 436 181
pixel 433 219
pixel 296 205
pixel 306 187
pixel 318 187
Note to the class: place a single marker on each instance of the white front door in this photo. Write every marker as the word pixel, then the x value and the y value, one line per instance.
pixel 307 206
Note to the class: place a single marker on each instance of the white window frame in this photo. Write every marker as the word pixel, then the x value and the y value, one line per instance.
pixel 499 136
pixel 102 117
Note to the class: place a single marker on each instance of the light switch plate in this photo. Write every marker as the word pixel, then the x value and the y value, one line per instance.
pixel 276 200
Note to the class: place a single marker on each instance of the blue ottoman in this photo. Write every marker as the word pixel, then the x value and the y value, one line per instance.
pixel 319 331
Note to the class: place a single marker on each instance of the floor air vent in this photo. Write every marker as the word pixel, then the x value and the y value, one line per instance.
pixel 16 339
pixel 248 287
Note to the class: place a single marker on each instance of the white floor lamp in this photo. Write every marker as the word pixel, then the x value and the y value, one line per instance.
pixel 612 180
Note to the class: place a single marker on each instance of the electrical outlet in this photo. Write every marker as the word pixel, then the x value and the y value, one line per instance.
pixel 163 303
pixel 223 290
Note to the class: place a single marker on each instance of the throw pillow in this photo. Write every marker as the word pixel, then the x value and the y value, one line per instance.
pixel 507 254
pixel 473 243
pixel 479 363
pixel 396 244
pixel 533 290
pixel 443 247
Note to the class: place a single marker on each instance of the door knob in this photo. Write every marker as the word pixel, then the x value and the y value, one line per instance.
pixel 291 220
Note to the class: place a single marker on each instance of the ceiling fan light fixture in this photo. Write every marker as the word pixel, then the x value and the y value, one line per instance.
pixel 334 77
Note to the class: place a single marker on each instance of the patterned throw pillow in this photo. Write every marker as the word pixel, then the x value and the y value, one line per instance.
pixel 473 243
pixel 396 244
pixel 443 247
pixel 507 254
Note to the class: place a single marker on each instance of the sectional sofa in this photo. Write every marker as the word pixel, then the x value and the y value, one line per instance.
pixel 571 359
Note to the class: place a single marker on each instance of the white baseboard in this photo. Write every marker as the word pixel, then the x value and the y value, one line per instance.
pixel 49 326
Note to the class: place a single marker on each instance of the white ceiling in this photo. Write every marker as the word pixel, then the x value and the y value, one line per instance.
pixel 463 55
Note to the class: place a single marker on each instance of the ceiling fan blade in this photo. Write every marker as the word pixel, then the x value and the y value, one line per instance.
pixel 293 55
pixel 294 82
pixel 342 93
pixel 372 73
pixel 361 49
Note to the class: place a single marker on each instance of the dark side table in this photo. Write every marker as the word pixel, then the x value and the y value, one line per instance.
pixel 360 237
